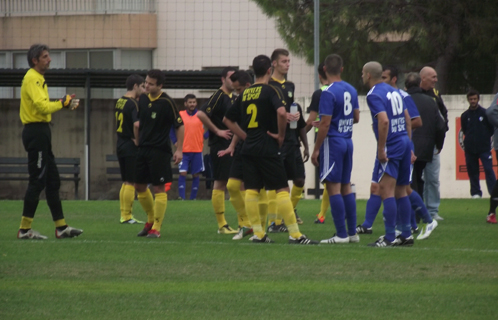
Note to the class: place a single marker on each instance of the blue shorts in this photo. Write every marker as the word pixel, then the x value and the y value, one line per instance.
pixel 400 168
pixel 336 160
pixel 192 163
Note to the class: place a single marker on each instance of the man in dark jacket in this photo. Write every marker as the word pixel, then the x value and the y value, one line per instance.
pixel 477 144
pixel 428 137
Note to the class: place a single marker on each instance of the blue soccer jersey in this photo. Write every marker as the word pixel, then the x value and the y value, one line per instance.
pixel 410 104
pixel 338 101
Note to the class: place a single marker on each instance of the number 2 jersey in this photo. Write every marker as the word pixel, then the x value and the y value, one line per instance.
pixel 256 111
pixel 339 100
pixel 126 112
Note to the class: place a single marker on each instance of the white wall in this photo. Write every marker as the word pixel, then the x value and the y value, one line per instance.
pixel 365 150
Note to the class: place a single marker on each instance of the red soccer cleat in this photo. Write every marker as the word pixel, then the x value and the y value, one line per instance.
pixel 491 218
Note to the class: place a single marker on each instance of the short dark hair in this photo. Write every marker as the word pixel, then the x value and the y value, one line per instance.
pixel 333 64
pixel 321 72
pixel 226 70
pixel 35 51
pixel 260 65
pixel 472 92
pixel 279 52
pixel 242 77
pixel 133 80
pixel 412 80
pixel 189 96
pixel 158 75
pixel 393 71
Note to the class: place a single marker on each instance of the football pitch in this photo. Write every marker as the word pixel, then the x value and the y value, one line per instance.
pixel 191 272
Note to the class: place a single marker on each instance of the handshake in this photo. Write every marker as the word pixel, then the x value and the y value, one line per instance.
pixel 69 102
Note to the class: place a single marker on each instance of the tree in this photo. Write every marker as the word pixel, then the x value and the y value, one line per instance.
pixel 453 36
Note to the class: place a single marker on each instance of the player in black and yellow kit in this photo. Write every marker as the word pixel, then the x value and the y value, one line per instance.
pixel 157 114
pixel 36 115
pixel 264 120
pixel 126 112
pixel 291 152
pixel 211 114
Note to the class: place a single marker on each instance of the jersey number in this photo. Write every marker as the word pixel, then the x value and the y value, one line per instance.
pixel 396 102
pixel 348 107
pixel 119 121
pixel 253 111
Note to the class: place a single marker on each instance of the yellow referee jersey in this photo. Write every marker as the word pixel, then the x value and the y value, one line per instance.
pixel 35 103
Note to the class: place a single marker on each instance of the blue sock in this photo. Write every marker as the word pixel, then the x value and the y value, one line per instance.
pixel 390 210
pixel 195 188
pixel 350 206
pixel 338 214
pixel 373 207
pixel 181 186
pixel 413 219
pixel 404 212
pixel 419 207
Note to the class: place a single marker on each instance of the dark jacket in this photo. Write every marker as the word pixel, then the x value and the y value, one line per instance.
pixel 433 128
pixel 477 130
pixel 434 94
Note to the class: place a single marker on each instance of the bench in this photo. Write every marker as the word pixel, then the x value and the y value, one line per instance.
pixel 16 169
pixel 114 174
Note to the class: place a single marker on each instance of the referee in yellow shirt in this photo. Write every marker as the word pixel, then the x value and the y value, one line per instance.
pixel 36 114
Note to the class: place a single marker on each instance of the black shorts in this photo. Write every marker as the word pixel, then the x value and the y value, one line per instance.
pixel 221 166
pixel 128 167
pixel 236 171
pixel 293 162
pixel 153 166
pixel 267 172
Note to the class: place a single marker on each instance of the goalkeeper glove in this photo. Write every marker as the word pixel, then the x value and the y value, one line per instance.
pixel 68 102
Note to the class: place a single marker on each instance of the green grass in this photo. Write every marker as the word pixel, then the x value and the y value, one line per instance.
pixel 194 273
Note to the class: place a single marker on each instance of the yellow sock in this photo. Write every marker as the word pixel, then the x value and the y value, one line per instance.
pixel 296 194
pixel 60 223
pixel 272 206
pixel 127 198
pixel 263 207
pixel 26 223
pixel 160 205
pixel 218 202
pixel 252 210
pixel 121 191
pixel 147 203
pixel 325 204
pixel 284 205
pixel 237 201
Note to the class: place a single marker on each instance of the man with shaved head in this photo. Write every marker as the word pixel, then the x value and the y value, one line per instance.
pixel 392 127
pixel 431 172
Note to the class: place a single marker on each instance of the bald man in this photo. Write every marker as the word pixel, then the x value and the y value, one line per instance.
pixel 431 193
pixel 392 127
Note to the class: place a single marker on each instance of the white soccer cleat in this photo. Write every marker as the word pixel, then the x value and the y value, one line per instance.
pixel 354 239
pixel 69 232
pixel 336 239
pixel 427 230
pixel 30 235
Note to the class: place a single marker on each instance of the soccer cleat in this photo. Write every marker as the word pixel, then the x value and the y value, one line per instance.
pixel 335 239
pixel 277 228
pixel 476 196
pixel 145 230
pixel 415 230
pixel 427 230
pixel 401 241
pixel 491 218
pixel 381 242
pixel 298 219
pixel 69 232
pixel 319 220
pixel 131 221
pixel 244 231
pixel 265 239
pixel 437 217
pixel 354 239
pixel 362 230
pixel 30 235
pixel 302 240
pixel 153 234
pixel 226 230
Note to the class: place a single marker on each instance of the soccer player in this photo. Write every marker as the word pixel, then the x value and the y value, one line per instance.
pixel 391 125
pixel 36 115
pixel 157 114
pixel 264 121
pixel 126 111
pixel 193 144
pixel 390 76
pixel 211 114
pixel 291 152
pixel 339 109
